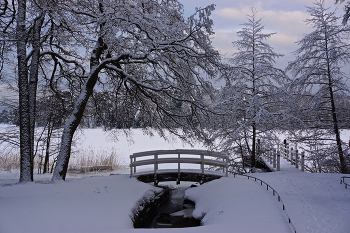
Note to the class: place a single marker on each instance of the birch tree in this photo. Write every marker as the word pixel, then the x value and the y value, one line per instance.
pixel 153 55
pixel 317 70
pixel 251 96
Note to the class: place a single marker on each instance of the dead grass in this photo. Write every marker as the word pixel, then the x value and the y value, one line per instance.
pixel 9 161
pixel 81 162
pixel 94 161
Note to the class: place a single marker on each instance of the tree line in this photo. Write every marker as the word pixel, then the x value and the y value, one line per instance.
pixel 123 64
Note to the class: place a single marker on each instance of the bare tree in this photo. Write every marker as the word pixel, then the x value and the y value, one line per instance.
pixel 155 56
pixel 317 69
pixel 31 27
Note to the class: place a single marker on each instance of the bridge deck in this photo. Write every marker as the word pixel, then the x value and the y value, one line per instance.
pixel 194 175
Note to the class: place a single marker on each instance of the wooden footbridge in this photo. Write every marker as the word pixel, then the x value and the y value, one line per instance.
pixel 203 158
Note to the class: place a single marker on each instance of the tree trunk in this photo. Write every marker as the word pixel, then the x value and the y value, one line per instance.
pixel 33 81
pixel 26 166
pixel 75 118
pixel 343 167
pixel 47 152
pixel 253 148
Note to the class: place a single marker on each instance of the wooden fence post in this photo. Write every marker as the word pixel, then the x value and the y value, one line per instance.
pixel 278 160
pixel 226 166
pixel 296 159
pixel 202 163
pixel 302 160
pixel 178 168
pixel 131 166
pixel 155 168
pixel 291 152
pixel 202 167
pixel 134 166
pixel 285 153
pixel 274 153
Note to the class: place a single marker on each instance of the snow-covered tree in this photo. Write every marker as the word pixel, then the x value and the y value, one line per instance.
pixel 251 98
pixel 317 71
pixel 26 173
pixel 154 56
pixel 39 33
pixel 346 10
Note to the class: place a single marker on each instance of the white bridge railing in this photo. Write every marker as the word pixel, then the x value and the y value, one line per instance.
pixel 289 153
pixel 205 157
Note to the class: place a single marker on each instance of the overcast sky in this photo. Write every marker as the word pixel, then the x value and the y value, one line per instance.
pixel 284 17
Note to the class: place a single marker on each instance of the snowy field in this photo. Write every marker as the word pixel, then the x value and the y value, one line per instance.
pixel 316 203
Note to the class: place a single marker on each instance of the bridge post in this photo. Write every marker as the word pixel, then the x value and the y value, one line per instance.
pixel 270 154
pixel 278 160
pixel 155 168
pixel 226 167
pixel 178 168
pixel 302 160
pixel 296 159
pixel 131 166
pixel 284 152
pixel 134 166
pixel 202 168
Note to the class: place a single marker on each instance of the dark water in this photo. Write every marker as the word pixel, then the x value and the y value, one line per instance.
pixel 175 212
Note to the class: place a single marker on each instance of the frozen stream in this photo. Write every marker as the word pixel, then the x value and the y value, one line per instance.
pixel 175 212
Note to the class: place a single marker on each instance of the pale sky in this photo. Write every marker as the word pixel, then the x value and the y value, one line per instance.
pixel 284 17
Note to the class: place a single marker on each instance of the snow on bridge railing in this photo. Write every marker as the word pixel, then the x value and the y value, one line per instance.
pixel 285 151
pixel 220 159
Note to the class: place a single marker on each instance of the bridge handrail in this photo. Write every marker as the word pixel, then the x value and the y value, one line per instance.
pixel 178 152
pixel 182 160
pixel 181 151
pixel 288 153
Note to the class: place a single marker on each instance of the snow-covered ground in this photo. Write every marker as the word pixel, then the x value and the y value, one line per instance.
pixel 103 203
pixel 315 203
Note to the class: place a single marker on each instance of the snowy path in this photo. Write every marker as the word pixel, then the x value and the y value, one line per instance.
pixel 316 202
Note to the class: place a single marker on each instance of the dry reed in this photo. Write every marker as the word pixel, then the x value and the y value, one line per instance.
pixel 86 160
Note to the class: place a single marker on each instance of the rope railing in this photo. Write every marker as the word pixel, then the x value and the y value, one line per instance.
pixel 342 181
pixel 274 193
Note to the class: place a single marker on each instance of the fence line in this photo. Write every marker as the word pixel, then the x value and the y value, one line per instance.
pixel 342 181
pixel 274 193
